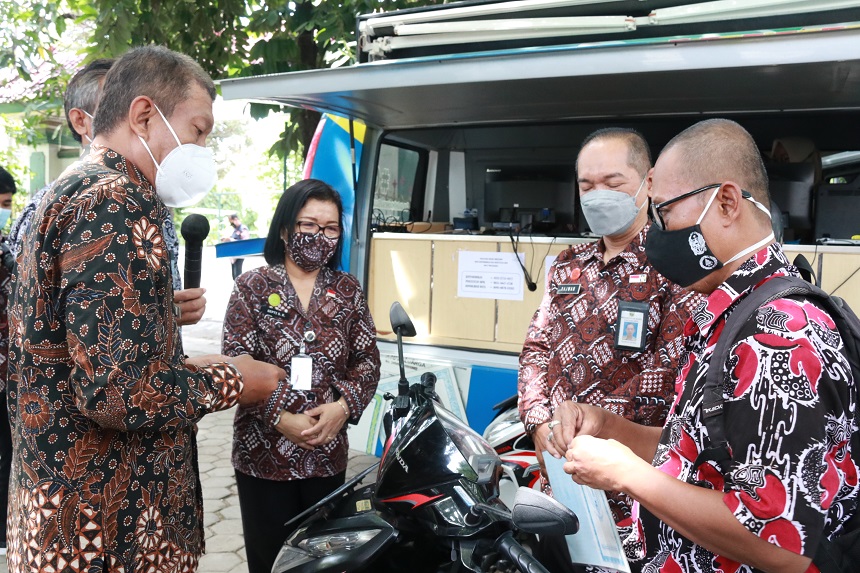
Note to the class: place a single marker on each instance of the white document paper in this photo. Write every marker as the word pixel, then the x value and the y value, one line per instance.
pixel 490 275
pixel 597 542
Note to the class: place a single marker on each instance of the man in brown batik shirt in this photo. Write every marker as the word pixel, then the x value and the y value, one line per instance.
pixel 597 292
pixel 102 401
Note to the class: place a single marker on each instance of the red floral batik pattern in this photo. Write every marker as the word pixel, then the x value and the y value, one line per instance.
pixel 789 420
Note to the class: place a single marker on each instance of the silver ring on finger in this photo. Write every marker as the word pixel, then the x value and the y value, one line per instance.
pixel 553 424
pixel 549 437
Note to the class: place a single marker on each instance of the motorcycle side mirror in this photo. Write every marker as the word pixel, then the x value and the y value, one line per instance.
pixel 401 324
pixel 536 512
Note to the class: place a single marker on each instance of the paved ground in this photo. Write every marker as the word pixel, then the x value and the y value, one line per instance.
pixel 224 542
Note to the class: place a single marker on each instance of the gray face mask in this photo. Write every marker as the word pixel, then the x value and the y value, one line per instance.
pixel 610 212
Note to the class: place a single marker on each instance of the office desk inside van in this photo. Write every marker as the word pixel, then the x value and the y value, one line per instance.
pixel 420 271
pixel 837 268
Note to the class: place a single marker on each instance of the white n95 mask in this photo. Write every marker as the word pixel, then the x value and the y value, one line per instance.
pixel 186 175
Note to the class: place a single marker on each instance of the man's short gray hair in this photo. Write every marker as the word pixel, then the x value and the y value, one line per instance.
pixel 84 89
pixel 161 74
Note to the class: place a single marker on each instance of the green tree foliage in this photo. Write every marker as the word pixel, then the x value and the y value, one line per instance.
pixel 229 38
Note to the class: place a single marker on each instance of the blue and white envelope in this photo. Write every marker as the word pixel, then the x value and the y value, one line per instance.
pixel 597 542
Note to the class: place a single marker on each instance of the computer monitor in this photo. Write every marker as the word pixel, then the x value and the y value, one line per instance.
pixel 837 207
pixel 791 188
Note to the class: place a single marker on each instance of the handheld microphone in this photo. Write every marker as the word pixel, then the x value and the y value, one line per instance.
pixel 195 229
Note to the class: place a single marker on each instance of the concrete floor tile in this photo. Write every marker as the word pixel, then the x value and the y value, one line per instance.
pixel 228 527
pixel 225 543
pixel 210 517
pixel 205 466
pixel 224 482
pixel 231 512
pixel 215 492
pixel 223 471
pixel 218 562
pixel 213 505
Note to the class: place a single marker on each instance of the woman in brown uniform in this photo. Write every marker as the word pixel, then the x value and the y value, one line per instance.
pixel 312 320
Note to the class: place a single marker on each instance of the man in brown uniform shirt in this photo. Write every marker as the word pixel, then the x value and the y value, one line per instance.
pixel 575 348
pixel 102 401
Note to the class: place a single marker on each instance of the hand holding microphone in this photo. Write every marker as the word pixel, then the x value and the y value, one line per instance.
pixel 190 301
pixel 195 229
pixel 191 304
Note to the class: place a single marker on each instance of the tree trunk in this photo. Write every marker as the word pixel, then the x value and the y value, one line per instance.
pixel 308 119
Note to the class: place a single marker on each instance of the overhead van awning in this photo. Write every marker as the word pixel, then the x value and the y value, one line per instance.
pixel 758 72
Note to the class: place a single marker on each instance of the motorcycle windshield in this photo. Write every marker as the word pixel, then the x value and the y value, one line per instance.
pixel 476 451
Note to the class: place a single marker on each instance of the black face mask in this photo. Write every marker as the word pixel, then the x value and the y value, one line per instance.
pixel 682 256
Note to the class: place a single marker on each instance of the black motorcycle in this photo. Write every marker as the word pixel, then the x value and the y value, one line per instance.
pixel 435 505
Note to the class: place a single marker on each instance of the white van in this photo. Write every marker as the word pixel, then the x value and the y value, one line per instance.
pixel 465 121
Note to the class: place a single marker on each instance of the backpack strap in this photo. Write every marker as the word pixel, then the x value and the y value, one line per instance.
pixel 712 400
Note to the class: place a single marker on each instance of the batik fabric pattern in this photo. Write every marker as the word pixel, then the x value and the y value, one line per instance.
pixel 267 321
pixel 101 403
pixel 5 281
pixel 22 223
pixel 570 352
pixel 171 241
pixel 789 420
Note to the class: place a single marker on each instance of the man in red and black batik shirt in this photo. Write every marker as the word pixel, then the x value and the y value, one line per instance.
pixel 789 396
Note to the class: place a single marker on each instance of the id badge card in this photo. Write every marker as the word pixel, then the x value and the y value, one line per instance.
pixel 632 327
pixel 301 372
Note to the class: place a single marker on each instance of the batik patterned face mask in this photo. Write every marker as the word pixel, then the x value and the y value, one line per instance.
pixel 310 251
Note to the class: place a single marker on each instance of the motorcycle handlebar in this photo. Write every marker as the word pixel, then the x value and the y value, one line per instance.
pixel 428 381
pixel 508 546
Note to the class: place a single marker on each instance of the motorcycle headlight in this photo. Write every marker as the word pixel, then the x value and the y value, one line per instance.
pixel 290 557
pixel 330 544
pixel 314 548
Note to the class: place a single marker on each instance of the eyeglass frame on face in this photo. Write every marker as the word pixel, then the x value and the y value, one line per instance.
pixel 654 208
pixel 307 226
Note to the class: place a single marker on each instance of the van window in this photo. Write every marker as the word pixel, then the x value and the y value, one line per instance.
pixel 396 181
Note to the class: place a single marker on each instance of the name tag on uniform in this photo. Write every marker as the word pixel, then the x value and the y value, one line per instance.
pixel 301 372
pixel 631 329
pixel 568 289
pixel 268 310
pixel 638 279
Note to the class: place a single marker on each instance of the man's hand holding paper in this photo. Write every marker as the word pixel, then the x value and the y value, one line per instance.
pixel 602 464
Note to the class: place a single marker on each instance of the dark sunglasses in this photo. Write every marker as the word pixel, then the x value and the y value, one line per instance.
pixel 654 208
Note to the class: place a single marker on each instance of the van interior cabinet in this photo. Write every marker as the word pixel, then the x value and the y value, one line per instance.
pixel 404 266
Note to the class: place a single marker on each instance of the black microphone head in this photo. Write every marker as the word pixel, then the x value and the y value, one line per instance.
pixel 532 286
pixel 195 229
